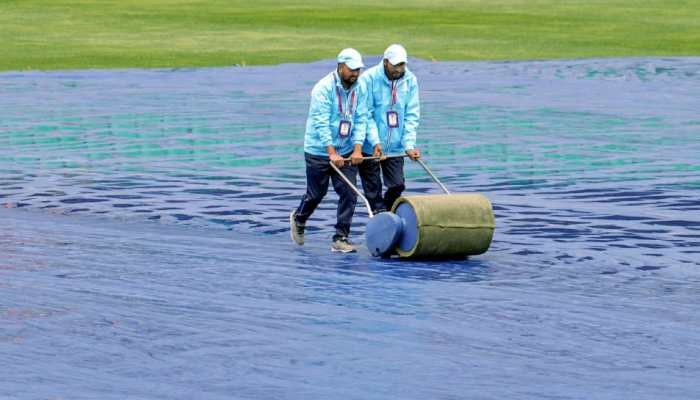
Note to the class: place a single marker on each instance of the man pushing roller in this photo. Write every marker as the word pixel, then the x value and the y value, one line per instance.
pixel 335 129
pixel 394 112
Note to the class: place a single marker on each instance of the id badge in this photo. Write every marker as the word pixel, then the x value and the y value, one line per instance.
pixel 344 128
pixel 392 119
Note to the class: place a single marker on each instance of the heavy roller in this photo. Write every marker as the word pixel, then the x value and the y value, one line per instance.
pixel 432 226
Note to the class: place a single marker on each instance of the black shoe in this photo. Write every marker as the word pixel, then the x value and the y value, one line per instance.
pixel 296 229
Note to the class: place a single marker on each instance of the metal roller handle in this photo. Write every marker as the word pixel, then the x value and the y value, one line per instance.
pixel 364 199
pixel 375 158
pixel 425 167
pixel 419 161
pixel 354 189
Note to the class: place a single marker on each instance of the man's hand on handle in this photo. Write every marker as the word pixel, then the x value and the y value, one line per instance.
pixel 337 160
pixel 378 152
pixel 414 154
pixel 356 157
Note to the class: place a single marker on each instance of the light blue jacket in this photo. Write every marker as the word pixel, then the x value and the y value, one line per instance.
pixel 379 101
pixel 324 116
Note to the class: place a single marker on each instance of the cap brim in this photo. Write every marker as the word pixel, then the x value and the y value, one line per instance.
pixel 397 60
pixel 354 64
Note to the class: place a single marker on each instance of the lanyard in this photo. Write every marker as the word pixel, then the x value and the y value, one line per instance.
pixel 340 100
pixel 394 99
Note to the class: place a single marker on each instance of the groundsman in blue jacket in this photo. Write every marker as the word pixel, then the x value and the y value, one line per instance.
pixel 335 129
pixel 394 113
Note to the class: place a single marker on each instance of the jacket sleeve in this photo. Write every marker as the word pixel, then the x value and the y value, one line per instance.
pixel 372 130
pixel 360 131
pixel 320 112
pixel 412 117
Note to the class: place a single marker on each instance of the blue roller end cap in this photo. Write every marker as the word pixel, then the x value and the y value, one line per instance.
pixel 409 234
pixel 382 233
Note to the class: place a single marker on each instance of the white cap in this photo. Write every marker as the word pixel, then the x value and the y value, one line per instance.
pixel 351 58
pixel 396 54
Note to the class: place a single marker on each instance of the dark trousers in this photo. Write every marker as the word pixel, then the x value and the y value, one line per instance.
pixel 318 172
pixel 392 171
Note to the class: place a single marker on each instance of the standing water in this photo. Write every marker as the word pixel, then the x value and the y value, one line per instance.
pixel 145 253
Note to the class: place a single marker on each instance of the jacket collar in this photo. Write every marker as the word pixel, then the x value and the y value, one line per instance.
pixel 385 79
pixel 339 82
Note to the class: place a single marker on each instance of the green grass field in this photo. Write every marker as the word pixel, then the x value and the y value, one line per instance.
pixel 61 34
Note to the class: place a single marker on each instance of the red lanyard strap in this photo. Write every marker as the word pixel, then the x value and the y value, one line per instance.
pixel 340 98
pixel 394 90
